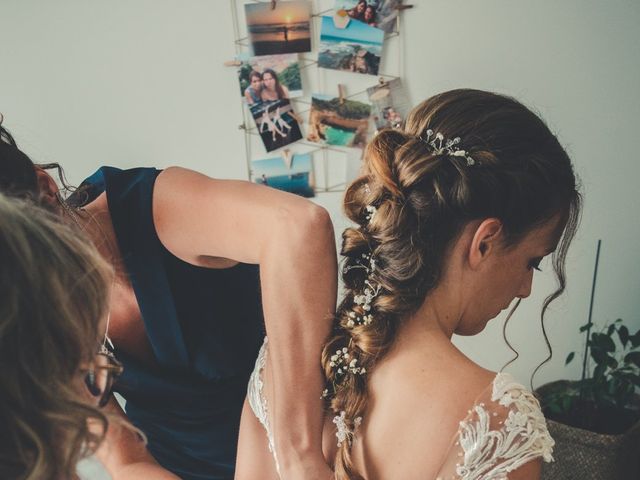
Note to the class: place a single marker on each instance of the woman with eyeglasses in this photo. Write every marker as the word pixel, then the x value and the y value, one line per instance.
pixel 53 315
pixel 196 262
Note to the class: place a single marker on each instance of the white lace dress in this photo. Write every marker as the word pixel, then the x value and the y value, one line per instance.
pixel 503 430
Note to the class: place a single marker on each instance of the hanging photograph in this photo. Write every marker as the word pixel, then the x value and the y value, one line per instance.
pixel 338 123
pixel 269 78
pixel 356 48
pixel 390 104
pixel 274 172
pixel 276 123
pixel 283 29
pixel 381 14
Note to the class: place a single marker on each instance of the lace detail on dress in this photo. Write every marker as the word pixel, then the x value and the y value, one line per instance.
pixel 257 400
pixel 491 450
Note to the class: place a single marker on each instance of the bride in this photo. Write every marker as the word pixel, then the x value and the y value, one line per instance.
pixel 453 214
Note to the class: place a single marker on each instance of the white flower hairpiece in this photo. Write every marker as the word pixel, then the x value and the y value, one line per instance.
pixel 371 212
pixel 343 362
pixel 343 432
pixel 368 263
pixel 440 146
pixel 370 292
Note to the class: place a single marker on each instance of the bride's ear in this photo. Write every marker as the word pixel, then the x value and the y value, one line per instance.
pixel 486 239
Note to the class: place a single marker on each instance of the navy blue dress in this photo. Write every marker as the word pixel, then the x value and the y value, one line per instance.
pixel 205 327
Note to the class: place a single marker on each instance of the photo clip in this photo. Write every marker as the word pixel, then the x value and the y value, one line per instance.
pixel 341 19
pixel 287 156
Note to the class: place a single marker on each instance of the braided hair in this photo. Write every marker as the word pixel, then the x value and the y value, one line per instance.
pixel 410 205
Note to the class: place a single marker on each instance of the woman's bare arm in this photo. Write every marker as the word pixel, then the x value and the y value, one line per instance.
pixel 200 219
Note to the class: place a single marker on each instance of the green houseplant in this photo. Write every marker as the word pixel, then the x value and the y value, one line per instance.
pixel 595 421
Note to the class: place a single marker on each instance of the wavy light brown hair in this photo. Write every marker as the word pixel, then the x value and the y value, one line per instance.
pixel 522 176
pixel 53 296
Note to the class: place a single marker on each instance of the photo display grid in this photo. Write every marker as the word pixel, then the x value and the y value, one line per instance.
pixel 285 64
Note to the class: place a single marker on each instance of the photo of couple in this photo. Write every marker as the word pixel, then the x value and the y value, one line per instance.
pixel 381 14
pixel 269 78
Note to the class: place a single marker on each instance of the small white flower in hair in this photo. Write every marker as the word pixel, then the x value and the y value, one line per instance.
pixel 343 432
pixel 371 212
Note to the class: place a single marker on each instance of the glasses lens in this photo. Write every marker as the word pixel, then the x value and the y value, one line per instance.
pixel 100 378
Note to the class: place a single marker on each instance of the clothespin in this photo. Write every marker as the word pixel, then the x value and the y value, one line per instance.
pixel 401 7
pixel 233 63
pixel 382 81
pixel 273 4
pixel 341 19
pixel 287 156
pixel 242 126
pixel 341 93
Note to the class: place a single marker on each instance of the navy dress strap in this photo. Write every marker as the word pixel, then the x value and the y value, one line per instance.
pixel 205 327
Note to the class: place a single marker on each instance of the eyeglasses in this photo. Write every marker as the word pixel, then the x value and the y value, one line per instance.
pixel 101 375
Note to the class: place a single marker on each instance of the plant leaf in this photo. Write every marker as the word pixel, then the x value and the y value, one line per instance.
pixel 632 357
pixel 611 329
pixel 569 358
pixel 598 372
pixel 623 334
pixel 604 342
pixel 612 362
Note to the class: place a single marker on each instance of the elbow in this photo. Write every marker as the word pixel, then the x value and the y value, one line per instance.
pixel 307 224
pixel 317 223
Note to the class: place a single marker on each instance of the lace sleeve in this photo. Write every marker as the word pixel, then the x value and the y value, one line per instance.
pixel 504 430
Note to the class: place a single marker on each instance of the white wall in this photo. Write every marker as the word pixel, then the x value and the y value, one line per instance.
pixel 142 82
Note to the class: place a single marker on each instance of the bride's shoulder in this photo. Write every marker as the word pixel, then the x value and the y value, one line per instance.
pixel 503 431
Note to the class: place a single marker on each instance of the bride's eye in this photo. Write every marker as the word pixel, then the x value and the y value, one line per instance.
pixel 535 263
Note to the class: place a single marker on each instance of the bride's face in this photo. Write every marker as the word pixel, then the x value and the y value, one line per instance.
pixel 507 274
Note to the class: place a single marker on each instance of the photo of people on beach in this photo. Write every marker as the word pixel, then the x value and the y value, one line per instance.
pixel 274 172
pixel 356 48
pixel 283 29
pixel 390 104
pixel 381 14
pixel 276 123
pixel 270 77
pixel 334 122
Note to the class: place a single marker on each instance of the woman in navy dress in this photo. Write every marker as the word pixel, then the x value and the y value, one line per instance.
pixel 203 268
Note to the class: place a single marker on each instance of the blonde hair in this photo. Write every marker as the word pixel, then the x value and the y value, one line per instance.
pixel 53 295
pixel 423 199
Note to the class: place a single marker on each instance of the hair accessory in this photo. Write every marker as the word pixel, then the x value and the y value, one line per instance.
pixel 344 433
pixel 371 212
pixel 370 292
pixel 343 362
pixel 370 266
pixel 442 146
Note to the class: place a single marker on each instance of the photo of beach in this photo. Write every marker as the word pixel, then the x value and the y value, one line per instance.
pixel 390 104
pixel 381 14
pixel 284 29
pixel 338 123
pixel 356 48
pixel 276 123
pixel 274 172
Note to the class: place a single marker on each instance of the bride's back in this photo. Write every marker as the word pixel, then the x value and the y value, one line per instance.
pixel 418 394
